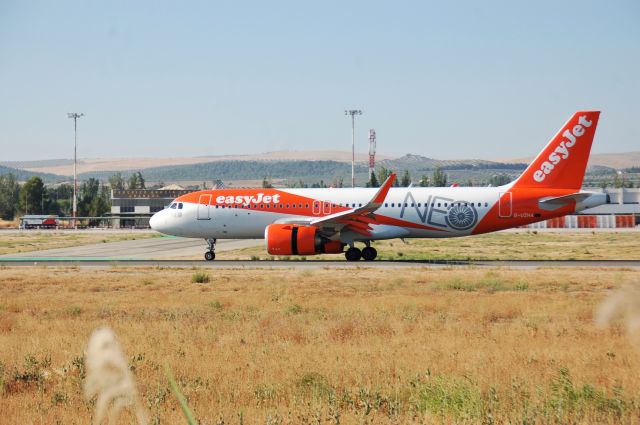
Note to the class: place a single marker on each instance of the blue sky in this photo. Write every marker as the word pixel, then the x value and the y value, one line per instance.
pixel 440 79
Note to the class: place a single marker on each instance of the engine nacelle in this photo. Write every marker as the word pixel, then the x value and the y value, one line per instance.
pixel 291 239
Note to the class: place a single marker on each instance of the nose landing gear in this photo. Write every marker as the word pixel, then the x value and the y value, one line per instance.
pixel 211 254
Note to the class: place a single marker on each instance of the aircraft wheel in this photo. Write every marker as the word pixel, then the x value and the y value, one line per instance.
pixel 209 256
pixel 369 253
pixel 353 254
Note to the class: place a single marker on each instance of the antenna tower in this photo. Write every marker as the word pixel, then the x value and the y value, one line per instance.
pixel 372 152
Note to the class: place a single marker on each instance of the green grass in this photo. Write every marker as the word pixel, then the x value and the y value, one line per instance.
pixel 200 277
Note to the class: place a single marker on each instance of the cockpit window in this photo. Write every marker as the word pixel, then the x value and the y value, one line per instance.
pixel 173 206
pixel 180 206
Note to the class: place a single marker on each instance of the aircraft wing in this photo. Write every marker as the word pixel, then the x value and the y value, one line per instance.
pixel 356 219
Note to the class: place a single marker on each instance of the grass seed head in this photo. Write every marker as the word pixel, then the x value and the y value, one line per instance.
pixel 109 378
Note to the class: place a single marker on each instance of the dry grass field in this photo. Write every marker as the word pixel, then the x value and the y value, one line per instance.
pixel 5 224
pixel 34 240
pixel 367 346
pixel 511 245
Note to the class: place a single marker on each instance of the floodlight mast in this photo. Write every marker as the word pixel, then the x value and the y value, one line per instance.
pixel 75 117
pixel 353 113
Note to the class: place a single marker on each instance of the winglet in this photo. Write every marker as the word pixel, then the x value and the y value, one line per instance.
pixel 384 189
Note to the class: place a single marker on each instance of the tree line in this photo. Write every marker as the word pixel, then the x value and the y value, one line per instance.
pixel 439 178
pixel 33 197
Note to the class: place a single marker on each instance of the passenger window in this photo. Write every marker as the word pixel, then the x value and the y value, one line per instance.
pixel 419 204
pixel 486 204
pixel 261 206
pixel 281 205
pixel 393 204
pixel 438 203
pixel 293 205
pixel 306 205
pixel 386 205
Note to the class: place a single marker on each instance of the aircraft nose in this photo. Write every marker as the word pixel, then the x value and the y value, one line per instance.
pixel 156 221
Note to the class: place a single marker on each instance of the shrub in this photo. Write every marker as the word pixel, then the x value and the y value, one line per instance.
pixel 200 277
pixel 75 311
pixel 216 305
pixel 447 397
pixel 294 309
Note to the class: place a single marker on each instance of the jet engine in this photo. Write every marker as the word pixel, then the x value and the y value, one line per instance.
pixel 291 239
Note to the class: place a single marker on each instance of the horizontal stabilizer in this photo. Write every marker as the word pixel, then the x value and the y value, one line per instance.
pixel 551 204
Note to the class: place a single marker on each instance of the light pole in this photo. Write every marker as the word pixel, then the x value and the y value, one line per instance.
pixel 353 113
pixel 75 117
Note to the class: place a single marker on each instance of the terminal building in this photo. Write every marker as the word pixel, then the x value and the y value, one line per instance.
pixel 133 208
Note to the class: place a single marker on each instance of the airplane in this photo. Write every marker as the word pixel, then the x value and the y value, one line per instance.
pixel 326 221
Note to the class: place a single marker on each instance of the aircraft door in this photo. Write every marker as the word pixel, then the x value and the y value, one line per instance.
pixel 505 205
pixel 326 207
pixel 316 208
pixel 203 207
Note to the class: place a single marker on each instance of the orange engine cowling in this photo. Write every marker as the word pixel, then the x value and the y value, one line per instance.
pixel 289 239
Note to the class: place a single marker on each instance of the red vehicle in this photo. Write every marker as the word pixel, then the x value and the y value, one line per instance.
pixel 38 221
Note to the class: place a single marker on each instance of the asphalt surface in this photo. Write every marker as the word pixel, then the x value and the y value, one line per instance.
pixel 183 252
pixel 139 249
pixel 310 264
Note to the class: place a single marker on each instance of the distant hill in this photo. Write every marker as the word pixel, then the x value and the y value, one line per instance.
pixel 39 163
pixel 309 166
pixel 241 170
pixel 65 166
pixel 22 175
pixel 616 161
pixel 417 163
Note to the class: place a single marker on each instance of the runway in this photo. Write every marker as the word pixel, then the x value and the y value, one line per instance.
pixel 86 263
pixel 161 248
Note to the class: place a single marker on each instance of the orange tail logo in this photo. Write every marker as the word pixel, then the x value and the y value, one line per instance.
pixel 562 163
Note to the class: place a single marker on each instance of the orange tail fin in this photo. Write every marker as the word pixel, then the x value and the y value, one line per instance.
pixel 562 163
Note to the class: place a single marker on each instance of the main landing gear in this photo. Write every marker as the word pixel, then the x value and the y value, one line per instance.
pixel 211 254
pixel 368 253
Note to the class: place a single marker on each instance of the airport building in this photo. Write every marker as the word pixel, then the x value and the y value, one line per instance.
pixel 623 211
pixel 133 208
